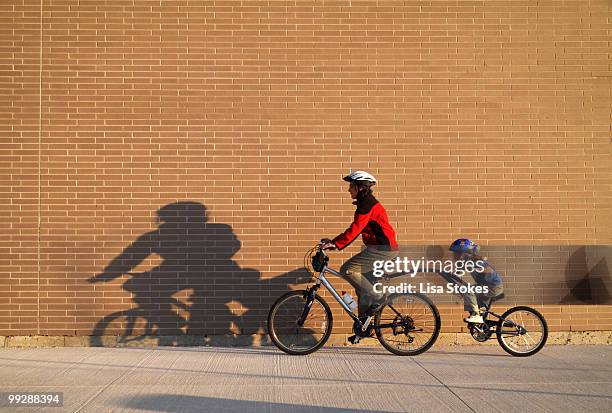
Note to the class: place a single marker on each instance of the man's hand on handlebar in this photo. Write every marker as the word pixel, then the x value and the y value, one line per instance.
pixel 327 244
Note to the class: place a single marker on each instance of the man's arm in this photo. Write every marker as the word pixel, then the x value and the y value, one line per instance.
pixel 359 223
pixel 129 258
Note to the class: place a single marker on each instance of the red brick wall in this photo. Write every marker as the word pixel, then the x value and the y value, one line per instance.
pixel 484 119
pixel 20 132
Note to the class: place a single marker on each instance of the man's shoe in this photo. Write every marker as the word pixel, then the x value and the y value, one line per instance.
pixel 378 305
pixel 474 318
pixel 354 339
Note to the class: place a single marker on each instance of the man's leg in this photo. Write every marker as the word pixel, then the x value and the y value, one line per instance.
pixel 351 271
pixel 358 271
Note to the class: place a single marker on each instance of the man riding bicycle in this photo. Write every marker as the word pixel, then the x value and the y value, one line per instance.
pixel 371 221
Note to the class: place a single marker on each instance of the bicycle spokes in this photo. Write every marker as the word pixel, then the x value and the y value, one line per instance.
pixel 408 325
pixel 298 324
pixel 521 331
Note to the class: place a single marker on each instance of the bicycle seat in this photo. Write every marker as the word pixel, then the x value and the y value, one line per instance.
pixel 395 274
pixel 498 297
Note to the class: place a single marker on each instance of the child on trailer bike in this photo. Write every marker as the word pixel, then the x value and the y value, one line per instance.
pixel 467 250
pixel 371 221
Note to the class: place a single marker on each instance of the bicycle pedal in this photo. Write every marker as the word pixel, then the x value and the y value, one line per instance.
pixel 354 339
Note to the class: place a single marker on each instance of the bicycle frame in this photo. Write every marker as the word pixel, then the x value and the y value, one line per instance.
pixel 321 279
pixel 501 322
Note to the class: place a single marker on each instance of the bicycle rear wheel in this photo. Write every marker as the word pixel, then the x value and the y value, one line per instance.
pixel 522 331
pixel 291 337
pixel 408 325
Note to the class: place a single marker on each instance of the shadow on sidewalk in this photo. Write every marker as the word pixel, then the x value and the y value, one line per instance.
pixel 183 403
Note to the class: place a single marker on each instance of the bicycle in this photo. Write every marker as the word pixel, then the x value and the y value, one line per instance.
pixel 512 328
pixel 300 322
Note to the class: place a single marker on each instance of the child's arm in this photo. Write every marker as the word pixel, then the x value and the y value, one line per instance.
pixel 488 274
pixel 487 270
pixel 487 267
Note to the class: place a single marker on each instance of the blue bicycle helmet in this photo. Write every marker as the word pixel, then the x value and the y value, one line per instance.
pixel 464 246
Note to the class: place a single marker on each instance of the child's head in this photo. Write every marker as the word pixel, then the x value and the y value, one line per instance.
pixel 463 248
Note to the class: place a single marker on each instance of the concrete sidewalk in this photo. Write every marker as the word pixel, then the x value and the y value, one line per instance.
pixel 208 379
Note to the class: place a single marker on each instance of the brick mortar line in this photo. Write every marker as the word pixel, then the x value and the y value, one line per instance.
pixel 40 57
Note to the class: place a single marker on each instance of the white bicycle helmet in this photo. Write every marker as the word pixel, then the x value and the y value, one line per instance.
pixel 360 177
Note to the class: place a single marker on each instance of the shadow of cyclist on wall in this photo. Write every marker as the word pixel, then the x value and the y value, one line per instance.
pixel 260 296
pixel 193 255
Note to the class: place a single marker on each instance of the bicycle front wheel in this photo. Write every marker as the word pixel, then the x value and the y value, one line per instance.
pixel 127 326
pixel 288 334
pixel 522 331
pixel 408 325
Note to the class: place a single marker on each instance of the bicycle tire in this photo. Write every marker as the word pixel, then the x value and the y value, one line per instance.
pixel 500 332
pixel 99 331
pixel 434 334
pixel 274 334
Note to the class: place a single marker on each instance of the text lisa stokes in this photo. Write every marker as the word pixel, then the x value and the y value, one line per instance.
pixel 427 288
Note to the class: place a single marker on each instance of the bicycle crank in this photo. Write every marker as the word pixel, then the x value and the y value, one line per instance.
pixel 480 332
pixel 358 328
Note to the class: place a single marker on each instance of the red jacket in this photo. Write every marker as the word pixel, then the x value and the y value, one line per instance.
pixel 371 222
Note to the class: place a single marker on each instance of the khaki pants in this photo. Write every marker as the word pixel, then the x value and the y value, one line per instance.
pixel 472 302
pixel 358 271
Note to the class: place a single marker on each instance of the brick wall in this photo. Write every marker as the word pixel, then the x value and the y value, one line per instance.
pixel 234 121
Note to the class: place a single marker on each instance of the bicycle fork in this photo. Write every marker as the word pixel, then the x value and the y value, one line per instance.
pixel 309 295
